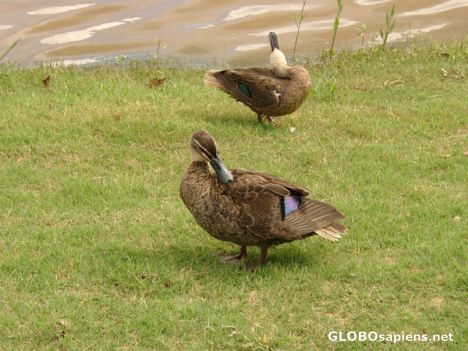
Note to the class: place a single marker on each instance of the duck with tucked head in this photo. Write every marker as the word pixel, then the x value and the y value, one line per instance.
pixel 250 208
pixel 268 92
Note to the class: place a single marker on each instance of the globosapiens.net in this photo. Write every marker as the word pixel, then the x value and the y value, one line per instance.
pixel 361 336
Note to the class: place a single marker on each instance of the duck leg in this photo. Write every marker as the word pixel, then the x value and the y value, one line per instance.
pixel 263 255
pixel 235 258
pixel 260 118
pixel 267 118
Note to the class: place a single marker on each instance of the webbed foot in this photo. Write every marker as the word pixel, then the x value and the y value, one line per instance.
pixel 252 267
pixel 234 258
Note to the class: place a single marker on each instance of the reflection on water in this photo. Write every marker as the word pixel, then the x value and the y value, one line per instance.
pixel 76 62
pixel 58 9
pixel 411 33
pixel 250 47
pixel 83 34
pixel 248 11
pixel 321 25
pixel 203 31
pixel 371 2
pixel 446 6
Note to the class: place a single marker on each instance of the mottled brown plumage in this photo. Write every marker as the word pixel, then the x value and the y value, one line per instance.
pixel 268 92
pixel 247 208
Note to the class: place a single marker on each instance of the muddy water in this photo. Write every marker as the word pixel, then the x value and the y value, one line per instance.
pixel 207 31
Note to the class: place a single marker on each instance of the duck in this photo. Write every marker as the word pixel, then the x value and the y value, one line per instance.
pixel 270 93
pixel 251 208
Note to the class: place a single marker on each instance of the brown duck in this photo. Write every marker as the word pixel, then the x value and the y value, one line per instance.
pixel 268 92
pixel 251 208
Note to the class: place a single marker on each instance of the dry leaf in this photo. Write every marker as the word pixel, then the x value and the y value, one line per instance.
pixel 392 82
pixel 452 73
pixel 437 302
pixel 63 323
pixel 253 298
pixel 154 82
pixel 46 81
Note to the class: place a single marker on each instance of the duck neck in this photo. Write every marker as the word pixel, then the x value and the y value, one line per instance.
pixel 200 165
pixel 279 64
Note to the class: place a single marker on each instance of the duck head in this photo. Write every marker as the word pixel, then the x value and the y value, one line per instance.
pixel 277 58
pixel 203 148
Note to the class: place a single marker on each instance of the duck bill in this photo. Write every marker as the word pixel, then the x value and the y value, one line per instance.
pixel 221 170
pixel 274 41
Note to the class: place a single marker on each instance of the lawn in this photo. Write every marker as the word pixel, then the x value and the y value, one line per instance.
pixel 98 252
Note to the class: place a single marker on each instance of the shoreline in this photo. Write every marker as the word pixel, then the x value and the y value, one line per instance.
pixel 222 63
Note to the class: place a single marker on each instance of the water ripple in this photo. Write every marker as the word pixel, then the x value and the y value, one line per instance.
pixel 59 9
pixel 78 35
pixel 411 33
pixel 308 26
pixel 243 48
pixel 370 2
pixel 446 6
pixel 255 10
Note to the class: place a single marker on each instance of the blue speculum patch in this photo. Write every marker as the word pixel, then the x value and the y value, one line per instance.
pixel 289 204
pixel 244 89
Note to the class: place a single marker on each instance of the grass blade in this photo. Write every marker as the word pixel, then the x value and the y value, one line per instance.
pixel 336 24
pixel 298 24
pixel 9 49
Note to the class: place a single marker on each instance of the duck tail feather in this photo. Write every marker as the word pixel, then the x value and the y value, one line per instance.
pixel 212 79
pixel 316 217
pixel 332 232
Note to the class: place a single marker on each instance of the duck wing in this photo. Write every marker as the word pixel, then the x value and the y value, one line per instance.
pixel 255 87
pixel 290 214
pixel 276 185
pixel 317 217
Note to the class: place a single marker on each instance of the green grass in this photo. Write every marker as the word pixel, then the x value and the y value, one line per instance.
pixel 97 251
